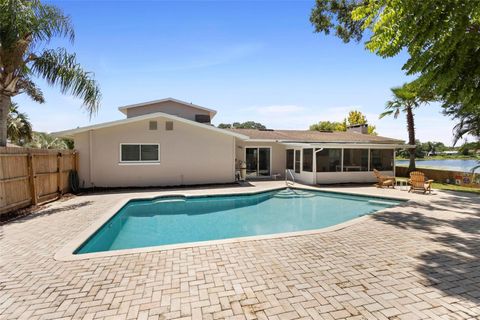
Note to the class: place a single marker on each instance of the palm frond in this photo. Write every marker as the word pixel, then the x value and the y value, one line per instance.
pixel 60 68
pixel 51 22
pixel 385 113
pixel 27 86
pixel 31 22
pixel 19 128
pixel 469 124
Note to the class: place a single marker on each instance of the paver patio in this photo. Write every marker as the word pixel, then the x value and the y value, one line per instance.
pixel 417 261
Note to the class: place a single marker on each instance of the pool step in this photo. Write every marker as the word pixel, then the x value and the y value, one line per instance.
pixel 291 194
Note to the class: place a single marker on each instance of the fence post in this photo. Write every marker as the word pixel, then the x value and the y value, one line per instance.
pixel 59 174
pixel 31 180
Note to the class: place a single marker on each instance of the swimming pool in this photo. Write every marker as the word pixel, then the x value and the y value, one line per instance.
pixel 175 220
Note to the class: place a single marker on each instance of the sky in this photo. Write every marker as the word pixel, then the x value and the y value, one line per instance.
pixel 249 60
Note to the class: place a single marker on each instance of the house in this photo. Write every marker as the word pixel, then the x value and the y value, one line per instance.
pixel 171 142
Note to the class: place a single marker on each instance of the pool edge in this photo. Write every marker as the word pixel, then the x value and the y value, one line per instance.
pixel 66 253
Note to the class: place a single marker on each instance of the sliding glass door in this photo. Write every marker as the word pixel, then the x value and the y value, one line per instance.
pixel 257 161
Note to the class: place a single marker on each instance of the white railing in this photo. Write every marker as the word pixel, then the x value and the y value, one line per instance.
pixel 289 172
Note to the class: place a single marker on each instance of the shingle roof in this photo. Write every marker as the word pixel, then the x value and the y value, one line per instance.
pixel 314 136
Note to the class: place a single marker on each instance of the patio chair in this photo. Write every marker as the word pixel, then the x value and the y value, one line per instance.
pixel 384 181
pixel 417 182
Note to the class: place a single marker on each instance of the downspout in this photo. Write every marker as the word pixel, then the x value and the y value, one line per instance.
pixel 315 165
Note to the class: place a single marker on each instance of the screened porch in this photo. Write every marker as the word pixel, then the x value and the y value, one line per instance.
pixel 318 164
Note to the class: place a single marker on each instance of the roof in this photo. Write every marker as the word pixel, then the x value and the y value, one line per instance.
pixel 315 136
pixel 123 109
pixel 70 133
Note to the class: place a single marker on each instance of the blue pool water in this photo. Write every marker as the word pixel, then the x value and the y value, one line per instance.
pixel 172 220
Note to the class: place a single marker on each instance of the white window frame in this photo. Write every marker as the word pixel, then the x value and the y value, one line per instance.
pixel 139 162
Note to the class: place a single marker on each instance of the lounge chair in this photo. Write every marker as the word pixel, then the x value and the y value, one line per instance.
pixel 384 181
pixel 417 182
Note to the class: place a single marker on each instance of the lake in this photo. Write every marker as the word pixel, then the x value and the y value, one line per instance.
pixel 444 164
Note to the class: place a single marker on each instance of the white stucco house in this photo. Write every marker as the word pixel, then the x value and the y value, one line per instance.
pixel 170 142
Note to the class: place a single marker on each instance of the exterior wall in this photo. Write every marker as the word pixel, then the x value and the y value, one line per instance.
pixel 188 155
pixel 82 145
pixel 277 155
pixel 349 177
pixel 169 107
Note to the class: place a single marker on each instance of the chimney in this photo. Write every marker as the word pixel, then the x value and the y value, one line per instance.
pixel 358 128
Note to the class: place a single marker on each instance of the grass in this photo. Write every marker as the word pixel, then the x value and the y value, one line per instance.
pixel 443 157
pixel 453 187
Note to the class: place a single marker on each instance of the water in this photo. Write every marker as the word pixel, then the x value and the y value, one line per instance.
pixel 445 164
pixel 144 223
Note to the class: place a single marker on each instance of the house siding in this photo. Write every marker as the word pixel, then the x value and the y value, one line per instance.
pixel 169 107
pixel 188 155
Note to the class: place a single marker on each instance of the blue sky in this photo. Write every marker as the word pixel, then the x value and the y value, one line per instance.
pixel 249 60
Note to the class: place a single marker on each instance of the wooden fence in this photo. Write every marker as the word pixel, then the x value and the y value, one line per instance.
pixel 31 176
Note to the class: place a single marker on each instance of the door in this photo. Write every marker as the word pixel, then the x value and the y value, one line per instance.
pixel 258 162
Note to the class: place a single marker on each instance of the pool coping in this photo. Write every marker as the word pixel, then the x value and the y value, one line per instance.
pixel 66 253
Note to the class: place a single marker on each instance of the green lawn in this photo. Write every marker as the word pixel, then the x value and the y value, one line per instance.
pixel 452 187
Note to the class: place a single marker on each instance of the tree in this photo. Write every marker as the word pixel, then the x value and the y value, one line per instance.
pixel 405 99
pixel 468 123
pixel 19 128
pixel 354 117
pixel 328 126
pixel 26 27
pixel 243 125
pixel 42 140
pixel 441 37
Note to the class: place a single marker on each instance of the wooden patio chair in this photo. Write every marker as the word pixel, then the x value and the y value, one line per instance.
pixel 384 181
pixel 417 182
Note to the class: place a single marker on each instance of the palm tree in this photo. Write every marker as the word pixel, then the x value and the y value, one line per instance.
pixel 469 124
pixel 19 128
pixel 26 26
pixel 405 99
pixel 42 140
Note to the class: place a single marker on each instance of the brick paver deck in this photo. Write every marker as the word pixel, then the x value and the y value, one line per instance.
pixel 418 261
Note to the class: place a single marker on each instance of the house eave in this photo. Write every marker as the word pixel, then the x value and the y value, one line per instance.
pixel 346 145
pixel 72 132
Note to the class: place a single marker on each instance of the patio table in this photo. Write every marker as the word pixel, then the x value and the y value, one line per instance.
pixel 401 183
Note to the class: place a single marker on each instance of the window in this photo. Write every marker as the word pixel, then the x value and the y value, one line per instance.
pixel 290 159
pixel 169 125
pixel 257 161
pixel 329 160
pixel 307 160
pixel 139 152
pixel 297 161
pixel 152 125
pixel 381 159
pixel 355 160
pixel 202 118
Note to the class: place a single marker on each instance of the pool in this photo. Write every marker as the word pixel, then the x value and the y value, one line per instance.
pixel 176 220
